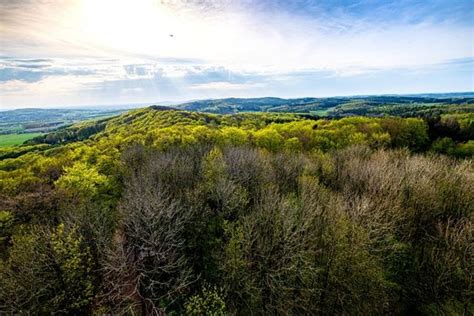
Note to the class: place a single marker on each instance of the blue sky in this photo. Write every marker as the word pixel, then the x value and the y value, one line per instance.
pixel 93 52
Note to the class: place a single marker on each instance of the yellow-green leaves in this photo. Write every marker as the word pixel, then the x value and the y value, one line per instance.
pixel 81 179
pixel 234 136
pixel 269 139
pixel 209 302
pixel 214 166
pixel 48 271
pixel 75 263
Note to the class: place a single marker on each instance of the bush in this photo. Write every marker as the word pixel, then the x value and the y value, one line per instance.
pixel 209 302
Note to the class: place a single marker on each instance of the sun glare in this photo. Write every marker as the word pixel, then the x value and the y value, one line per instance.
pixel 156 29
pixel 127 25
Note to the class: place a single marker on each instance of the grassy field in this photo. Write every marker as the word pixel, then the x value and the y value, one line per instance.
pixel 322 112
pixel 15 139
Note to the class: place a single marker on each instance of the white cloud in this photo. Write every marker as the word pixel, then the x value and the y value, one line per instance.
pixel 227 86
pixel 131 90
pixel 51 90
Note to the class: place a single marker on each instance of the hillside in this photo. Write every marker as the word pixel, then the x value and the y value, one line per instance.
pixel 178 126
pixel 23 121
pixel 416 105
pixel 169 211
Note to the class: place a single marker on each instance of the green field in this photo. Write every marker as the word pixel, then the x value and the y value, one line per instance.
pixel 15 139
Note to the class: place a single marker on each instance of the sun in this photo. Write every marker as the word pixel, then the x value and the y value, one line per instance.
pixel 128 25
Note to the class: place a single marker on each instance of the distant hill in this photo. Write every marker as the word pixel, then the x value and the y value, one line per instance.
pixel 45 120
pixel 31 120
pixel 339 106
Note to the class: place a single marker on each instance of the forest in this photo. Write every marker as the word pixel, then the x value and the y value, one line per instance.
pixel 162 211
pixel 419 105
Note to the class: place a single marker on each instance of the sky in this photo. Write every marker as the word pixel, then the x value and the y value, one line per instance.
pixel 111 52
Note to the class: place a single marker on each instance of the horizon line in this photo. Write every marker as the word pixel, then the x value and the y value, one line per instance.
pixel 169 103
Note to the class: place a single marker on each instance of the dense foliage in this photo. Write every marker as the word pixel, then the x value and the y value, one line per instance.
pixel 177 212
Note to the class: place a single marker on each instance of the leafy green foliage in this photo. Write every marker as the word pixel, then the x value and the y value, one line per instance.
pixel 47 272
pixel 81 179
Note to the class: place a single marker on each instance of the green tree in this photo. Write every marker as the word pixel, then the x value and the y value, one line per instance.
pixel 81 180
pixel 47 272
pixel 269 139
pixel 443 145
pixel 210 302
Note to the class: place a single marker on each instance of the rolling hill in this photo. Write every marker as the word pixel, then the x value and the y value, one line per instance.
pixel 339 106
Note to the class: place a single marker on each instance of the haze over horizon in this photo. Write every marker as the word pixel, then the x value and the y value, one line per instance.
pixel 72 52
